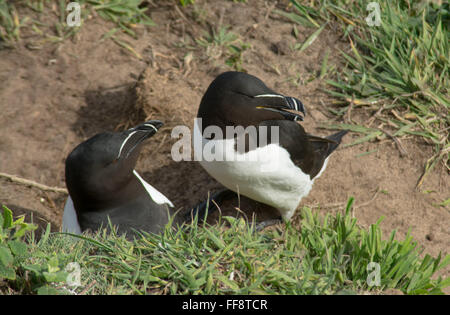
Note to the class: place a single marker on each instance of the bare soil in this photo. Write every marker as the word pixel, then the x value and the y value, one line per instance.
pixel 53 98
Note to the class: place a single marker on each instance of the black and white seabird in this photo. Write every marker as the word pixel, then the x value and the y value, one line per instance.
pixel 277 172
pixel 102 183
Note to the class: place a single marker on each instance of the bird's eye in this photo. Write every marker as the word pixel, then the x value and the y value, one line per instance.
pixel 112 162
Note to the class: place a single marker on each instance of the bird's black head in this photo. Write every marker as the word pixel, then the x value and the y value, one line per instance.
pixel 99 167
pixel 237 98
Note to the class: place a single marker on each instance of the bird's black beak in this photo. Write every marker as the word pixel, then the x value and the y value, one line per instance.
pixel 150 127
pixel 283 105
pixel 137 135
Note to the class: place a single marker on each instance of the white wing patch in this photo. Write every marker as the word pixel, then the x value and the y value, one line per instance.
pixel 70 222
pixel 153 193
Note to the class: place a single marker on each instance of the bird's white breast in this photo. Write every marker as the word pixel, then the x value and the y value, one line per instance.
pixel 265 174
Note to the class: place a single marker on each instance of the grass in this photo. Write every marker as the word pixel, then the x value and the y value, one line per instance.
pixel 224 43
pixel 399 69
pixel 10 23
pixel 328 255
pixel 125 15
pixel 187 2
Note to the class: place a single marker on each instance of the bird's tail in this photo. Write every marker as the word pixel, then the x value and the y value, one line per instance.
pixel 336 138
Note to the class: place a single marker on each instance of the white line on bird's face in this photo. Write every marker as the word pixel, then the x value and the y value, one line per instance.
pixel 124 142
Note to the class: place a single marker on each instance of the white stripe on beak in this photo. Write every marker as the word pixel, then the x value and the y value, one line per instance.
pixel 150 125
pixel 295 104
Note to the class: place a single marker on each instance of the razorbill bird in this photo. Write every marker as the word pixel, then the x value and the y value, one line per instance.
pixel 102 184
pixel 279 161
